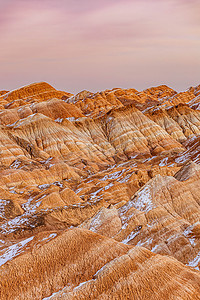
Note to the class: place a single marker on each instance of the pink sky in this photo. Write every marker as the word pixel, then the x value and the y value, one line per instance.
pixel 94 45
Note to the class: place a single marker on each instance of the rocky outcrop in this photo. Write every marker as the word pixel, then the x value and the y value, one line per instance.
pixel 163 216
pixel 180 121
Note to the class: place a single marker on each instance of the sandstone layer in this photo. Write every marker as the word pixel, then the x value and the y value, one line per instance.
pixel 99 194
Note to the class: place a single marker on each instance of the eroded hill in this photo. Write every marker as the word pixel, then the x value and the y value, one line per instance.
pixel 100 194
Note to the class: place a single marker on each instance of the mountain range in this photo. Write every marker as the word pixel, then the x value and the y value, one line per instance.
pixel 99 194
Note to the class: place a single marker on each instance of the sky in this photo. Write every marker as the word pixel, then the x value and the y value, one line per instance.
pixel 100 44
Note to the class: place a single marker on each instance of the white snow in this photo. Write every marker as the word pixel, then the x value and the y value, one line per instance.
pixel 180 159
pixel 130 237
pixel 195 262
pixel 188 234
pixel 103 268
pixel 109 119
pixel 13 251
pixel 22 122
pixel 71 119
pixel 143 200
pixel 96 222
pixel 145 243
pixel 43 186
pixel 58 183
pixel 163 162
pixel 50 297
pixel 2 208
pixel 155 248
pixel 11 190
pixel 54 294
pixel 59 120
pixel 78 191
pixel 15 164
pixel 31 207
pixel 94 195
pixel 117 176
pixel 50 237
pixel 82 283
pixel 125 179
pixel 114 175
pixel 11 225
pixel 108 186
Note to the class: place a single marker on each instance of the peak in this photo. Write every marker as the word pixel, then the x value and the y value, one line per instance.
pixel 28 90
pixel 33 87
pixel 3 92
pixel 38 90
pixel 161 90
pixel 38 84
pixel 80 96
pixel 161 87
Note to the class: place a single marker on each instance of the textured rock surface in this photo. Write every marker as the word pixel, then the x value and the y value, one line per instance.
pixel 102 269
pixel 99 194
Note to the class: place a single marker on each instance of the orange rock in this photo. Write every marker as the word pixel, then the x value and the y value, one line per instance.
pixel 84 179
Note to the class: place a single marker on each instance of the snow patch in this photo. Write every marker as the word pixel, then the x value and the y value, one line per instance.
pixel 15 164
pixel 14 250
pixel 163 162
pixel 96 222
pixel 144 200
pixel 43 186
pixel 59 120
pixel 130 237
pixel 195 262
pixel 50 237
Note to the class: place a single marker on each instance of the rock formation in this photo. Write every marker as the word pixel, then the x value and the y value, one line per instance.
pixel 99 194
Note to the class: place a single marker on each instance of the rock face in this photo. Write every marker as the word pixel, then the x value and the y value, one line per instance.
pixel 99 194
